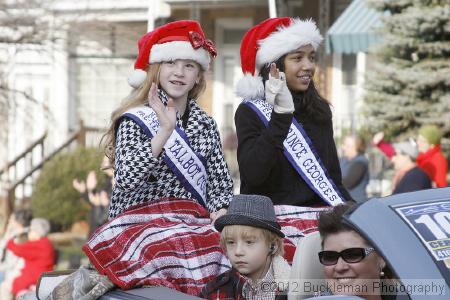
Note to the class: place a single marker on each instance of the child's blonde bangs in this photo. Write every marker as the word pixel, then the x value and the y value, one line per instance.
pixel 242 231
pixel 247 232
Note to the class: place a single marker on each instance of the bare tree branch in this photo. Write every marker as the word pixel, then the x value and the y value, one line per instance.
pixel 24 21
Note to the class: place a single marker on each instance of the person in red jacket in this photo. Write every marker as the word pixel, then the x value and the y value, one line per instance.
pixel 38 254
pixel 430 158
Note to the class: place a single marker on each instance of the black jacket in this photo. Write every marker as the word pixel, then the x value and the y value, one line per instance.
pixel 263 167
pixel 229 285
pixel 413 180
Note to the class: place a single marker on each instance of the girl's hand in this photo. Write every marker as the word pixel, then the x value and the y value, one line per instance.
pixel 277 92
pixel 214 215
pixel 167 116
pixel 274 71
pixel 273 84
pixel 284 103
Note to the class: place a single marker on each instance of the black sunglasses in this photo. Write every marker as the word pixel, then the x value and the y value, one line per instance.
pixel 350 255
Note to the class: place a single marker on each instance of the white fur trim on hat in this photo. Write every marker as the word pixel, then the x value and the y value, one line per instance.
pixel 287 39
pixel 136 78
pixel 250 87
pixel 179 50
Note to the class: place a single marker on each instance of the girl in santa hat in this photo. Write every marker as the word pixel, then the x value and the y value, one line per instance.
pixel 171 179
pixel 286 149
pixel 161 143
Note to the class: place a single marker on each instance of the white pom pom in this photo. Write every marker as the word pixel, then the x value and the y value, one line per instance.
pixel 250 87
pixel 136 78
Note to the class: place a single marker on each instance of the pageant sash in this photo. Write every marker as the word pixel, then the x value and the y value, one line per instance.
pixel 302 155
pixel 185 163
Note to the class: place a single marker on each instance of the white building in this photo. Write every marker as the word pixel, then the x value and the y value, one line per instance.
pixel 77 74
pixel 348 41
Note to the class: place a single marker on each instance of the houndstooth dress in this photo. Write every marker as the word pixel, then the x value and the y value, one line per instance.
pixel 140 177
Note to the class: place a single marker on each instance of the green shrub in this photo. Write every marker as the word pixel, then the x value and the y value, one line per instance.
pixel 54 197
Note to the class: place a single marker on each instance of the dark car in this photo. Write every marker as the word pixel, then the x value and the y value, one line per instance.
pixel 412 232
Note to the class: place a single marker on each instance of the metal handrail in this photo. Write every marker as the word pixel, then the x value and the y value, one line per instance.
pixel 22 155
pixel 72 138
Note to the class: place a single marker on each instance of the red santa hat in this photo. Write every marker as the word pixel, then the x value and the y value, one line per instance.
pixel 176 40
pixel 268 41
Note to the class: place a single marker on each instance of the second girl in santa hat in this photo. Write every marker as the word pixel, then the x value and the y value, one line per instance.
pixel 286 149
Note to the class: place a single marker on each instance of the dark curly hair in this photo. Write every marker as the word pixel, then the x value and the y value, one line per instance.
pixel 330 221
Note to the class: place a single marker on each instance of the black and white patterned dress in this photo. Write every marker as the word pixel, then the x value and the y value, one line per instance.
pixel 140 177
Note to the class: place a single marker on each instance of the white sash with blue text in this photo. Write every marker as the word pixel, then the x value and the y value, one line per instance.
pixel 302 155
pixel 188 166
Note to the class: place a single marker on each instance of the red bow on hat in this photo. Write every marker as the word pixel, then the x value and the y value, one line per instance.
pixel 198 41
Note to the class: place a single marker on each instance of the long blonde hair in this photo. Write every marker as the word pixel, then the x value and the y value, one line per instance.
pixel 139 97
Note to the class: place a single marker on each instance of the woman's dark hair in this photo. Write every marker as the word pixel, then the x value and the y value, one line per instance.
pixel 315 106
pixel 23 217
pixel 330 221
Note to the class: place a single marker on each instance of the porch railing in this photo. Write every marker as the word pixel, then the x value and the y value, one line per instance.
pixel 18 175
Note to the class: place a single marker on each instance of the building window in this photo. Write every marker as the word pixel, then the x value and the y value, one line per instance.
pixel 348 69
pixel 233 36
pixel 100 89
pixel 228 118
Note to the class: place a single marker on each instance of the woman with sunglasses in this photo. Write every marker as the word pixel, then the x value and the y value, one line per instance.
pixel 351 265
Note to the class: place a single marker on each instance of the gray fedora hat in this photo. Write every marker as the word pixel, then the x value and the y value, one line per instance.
pixel 250 210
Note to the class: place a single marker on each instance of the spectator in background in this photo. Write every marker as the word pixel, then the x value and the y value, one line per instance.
pixel 430 159
pixel 230 144
pixel 97 197
pixel 38 254
pixel 103 194
pixel 408 177
pixel 355 167
pixel 11 265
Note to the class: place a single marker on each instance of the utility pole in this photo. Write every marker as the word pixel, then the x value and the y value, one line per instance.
pixel 272 8
pixel 324 25
pixel 156 9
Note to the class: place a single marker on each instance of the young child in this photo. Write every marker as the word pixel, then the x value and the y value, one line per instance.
pixel 161 143
pixel 253 242
pixel 11 265
pixel 38 254
pixel 286 149
pixel 168 161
